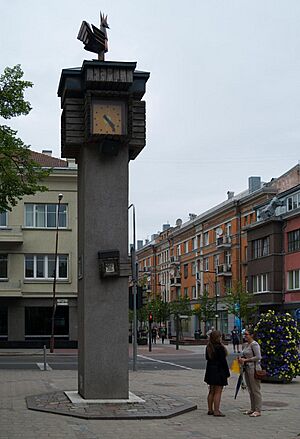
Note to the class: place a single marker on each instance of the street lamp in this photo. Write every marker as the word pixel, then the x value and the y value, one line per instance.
pixel 60 197
pixel 134 281
pixel 216 294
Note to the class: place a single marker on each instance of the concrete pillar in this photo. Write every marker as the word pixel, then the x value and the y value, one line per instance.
pixel 102 302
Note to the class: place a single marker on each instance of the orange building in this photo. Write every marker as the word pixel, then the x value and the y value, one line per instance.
pixel 208 252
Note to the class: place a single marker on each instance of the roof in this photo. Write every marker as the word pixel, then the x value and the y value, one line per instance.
pixel 47 161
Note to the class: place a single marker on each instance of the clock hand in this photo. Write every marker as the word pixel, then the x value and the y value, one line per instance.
pixel 109 122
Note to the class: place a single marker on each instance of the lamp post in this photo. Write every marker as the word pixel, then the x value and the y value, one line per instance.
pixel 216 304
pixel 60 197
pixel 216 294
pixel 134 281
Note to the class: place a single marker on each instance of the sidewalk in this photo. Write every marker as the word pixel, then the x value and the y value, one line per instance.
pixel 279 420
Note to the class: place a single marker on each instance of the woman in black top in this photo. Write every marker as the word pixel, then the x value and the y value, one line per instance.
pixel 216 373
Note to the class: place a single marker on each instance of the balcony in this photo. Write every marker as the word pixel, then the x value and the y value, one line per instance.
pixel 223 241
pixel 224 270
pixel 11 235
pixel 10 289
pixel 147 269
pixel 174 260
pixel 175 281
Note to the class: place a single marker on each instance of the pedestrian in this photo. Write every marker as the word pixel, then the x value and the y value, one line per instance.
pixel 250 360
pixel 154 335
pixel 210 331
pixel 162 334
pixel 217 372
pixel 235 340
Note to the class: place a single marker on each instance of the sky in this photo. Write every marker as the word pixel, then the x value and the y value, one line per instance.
pixel 223 98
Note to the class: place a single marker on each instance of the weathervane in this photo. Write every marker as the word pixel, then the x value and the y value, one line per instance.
pixel 94 39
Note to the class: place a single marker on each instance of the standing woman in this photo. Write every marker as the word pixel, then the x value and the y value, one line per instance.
pixel 250 359
pixel 216 373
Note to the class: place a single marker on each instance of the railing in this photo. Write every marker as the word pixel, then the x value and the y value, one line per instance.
pixel 175 281
pixel 224 241
pixel 224 269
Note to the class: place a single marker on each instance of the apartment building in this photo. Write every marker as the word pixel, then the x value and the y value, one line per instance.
pixel 27 250
pixel 274 254
pixel 209 252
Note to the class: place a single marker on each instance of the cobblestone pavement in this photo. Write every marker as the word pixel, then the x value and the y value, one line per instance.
pixel 280 417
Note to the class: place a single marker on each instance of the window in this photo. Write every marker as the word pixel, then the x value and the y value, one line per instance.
pixel 45 215
pixel 260 283
pixel 194 243
pixel 3 219
pixel 294 240
pixel 260 247
pixel 194 292
pixel 228 229
pixel 206 288
pixel 206 238
pixel 228 257
pixel 216 261
pixel 186 292
pixel 217 289
pixel 193 268
pixel 186 270
pixel 186 247
pixel 293 280
pixel 3 321
pixel 42 266
pixel 38 321
pixel 228 284
pixel 3 266
pixel 178 250
pixel 206 264
pixel 293 202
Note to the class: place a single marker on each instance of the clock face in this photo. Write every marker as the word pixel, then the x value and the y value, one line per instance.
pixel 108 117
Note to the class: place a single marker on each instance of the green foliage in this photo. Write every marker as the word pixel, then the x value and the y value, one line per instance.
pixel 159 309
pixel 12 89
pixel 205 308
pixel 181 306
pixel 19 174
pixel 279 339
pixel 238 301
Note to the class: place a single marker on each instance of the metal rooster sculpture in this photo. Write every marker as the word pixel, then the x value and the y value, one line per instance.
pixel 94 39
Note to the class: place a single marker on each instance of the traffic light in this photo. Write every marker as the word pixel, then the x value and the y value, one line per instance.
pixel 150 318
pixel 139 298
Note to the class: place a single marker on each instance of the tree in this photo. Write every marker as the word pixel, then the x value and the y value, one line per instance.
pixel 19 174
pixel 178 308
pixel 205 309
pixel 159 309
pixel 239 302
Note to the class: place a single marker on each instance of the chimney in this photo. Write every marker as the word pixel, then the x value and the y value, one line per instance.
pixel 165 227
pixel 47 152
pixel 254 183
pixel 146 241
pixel 192 216
pixel 139 244
pixel 72 163
pixel 154 236
pixel 230 195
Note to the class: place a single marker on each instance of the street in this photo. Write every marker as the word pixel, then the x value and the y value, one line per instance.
pixel 162 357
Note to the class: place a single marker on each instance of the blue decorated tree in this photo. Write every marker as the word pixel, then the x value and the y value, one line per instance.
pixel 279 339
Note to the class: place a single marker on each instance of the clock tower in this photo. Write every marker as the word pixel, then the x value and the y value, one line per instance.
pixel 102 127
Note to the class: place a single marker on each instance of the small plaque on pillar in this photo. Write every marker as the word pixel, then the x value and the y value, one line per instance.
pixel 109 263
